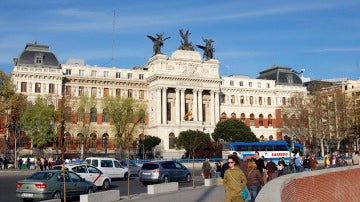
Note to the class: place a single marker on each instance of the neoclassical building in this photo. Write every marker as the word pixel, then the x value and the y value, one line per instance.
pixel 182 91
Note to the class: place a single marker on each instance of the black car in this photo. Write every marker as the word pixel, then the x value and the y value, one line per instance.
pixel 163 171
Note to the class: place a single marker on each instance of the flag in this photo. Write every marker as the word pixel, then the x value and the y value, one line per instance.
pixel 188 115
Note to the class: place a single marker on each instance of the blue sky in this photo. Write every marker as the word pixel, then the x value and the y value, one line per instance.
pixel 322 37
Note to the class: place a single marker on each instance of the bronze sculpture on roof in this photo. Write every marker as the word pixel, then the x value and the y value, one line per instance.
pixel 185 44
pixel 208 49
pixel 158 42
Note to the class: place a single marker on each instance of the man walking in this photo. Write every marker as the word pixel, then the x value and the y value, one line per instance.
pixel 206 168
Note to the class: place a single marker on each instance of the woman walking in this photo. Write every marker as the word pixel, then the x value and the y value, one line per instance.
pixel 254 179
pixel 234 181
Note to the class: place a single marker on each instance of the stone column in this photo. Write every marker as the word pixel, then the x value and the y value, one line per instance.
pixel 158 105
pixel 177 106
pixel 164 105
pixel 217 106
pixel 200 104
pixel 195 105
pixel 212 108
pixel 182 103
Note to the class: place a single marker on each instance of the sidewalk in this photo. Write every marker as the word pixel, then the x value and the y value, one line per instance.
pixel 189 194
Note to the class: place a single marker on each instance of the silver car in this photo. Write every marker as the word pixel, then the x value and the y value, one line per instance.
pixel 134 168
pixel 163 171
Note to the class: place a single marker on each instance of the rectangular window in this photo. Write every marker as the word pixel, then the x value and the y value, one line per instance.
pixel 242 99
pixel 23 87
pixel 231 83
pixel 267 85
pixel 37 87
pixel 241 83
pixel 106 92
pixel 81 72
pixel 118 92
pixel 251 100
pixel 118 75
pixel 284 101
pixel 130 93
pixel 222 98
pixel 68 90
pixel 106 74
pixel 259 85
pixel 81 91
pixel 129 76
pixel 93 91
pixel 260 100
pixel 68 71
pixel 269 100
pixel 51 88
pixel 141 76
pixel 38 60
pixel 250 84
pixel 141 94
pixel 93 73
pixel 232 99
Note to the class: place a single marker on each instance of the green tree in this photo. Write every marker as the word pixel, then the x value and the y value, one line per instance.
pixel 38 121
pixel 148 144
pixel 7 90
pixel 232 130
pixel 191 141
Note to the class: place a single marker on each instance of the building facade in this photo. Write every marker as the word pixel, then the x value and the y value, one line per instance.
pixel 182 92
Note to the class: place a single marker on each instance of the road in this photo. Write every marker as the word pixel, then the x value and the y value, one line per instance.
pixel 9 178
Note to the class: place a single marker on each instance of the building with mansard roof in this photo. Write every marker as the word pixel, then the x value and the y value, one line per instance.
pixel 182 91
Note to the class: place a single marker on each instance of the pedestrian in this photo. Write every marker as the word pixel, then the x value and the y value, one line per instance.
pixel 218 169
pixel 313 162
pixel 234 181
pixel 6 163
pixel 326 161
pixel 356 158
pixel 260 164
pixel 298 163
pixel 254 179
pixel 28 163
pixel 306 163
pixel 20 162
pixel 341 161
pixel 281 166
pixel 206 168
pixel 271 170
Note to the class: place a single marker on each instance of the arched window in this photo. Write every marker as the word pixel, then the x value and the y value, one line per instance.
pixel 105 115
pixel 261 120
pixel 223 115
pixel 93 114
pixel 243 117
pixel 271 138
pixel 233 115
pixel 269 120
pixel 171 141
pixel 252 120
pixel 93 140
pixel 80 139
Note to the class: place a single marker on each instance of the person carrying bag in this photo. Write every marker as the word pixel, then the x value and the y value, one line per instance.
pixel 234 182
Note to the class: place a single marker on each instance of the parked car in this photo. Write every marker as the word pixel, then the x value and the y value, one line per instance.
pixel 90 173
pixel 163 171
pixel 134 168
pixel 50 185
pixel 109 166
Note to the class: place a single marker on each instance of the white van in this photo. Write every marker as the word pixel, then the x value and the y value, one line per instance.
pixel 109 166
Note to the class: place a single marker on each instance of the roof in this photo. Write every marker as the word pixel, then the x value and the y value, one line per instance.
pixel 37 55
pixel 281 75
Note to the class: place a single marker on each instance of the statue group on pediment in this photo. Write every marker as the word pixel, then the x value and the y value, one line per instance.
pixel 158 43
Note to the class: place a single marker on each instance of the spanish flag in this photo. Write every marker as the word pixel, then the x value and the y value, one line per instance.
pixel 188 115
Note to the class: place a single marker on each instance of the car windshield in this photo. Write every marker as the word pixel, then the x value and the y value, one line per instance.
pixel 150 166
pixel 41 176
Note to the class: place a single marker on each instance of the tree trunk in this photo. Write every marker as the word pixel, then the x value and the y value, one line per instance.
pixel 322 146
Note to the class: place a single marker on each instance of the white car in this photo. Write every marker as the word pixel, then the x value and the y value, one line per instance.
pixel 109 166
pixel 89 173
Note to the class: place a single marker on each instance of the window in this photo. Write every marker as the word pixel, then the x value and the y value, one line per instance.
pixel 241 83
pixel 130 93
pixel 284 100
pixel 222 98
pixel 38 60
pixel 93 73
pixel 118 75
pixel 269 100
pixel 251 100
pixel 250 84
pixel 232 99
pixel 81 72
pixel 242 117
pixel 68 90
pixel 51 88
pixel 141 76
pixel 37 87
pixel 242 99
pixel 141 94
pixel 269 120
pixel 171 141
pixel 106 92
pixel 106 74
pixel 107 163
pixel 261 120
pixel 118 92
pixel 93 91
pixel 68 71
pixel 105 116
pixel 259 85
pixel 81 91
pixel 129 76
pixel 231 83
pixel 23 87
pixel 260 100
pixel 252 120
pixel 93 115
pixel 267 85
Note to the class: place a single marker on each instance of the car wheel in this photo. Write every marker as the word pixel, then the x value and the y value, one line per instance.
pixel 188 178
pixel 166 179
pixel 106 185
pixel 126 176
pixel 90 190
pixel 57 195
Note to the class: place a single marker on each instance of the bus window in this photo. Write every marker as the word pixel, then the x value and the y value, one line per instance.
pixel 226 147
pixel 261 148
pixel 269 148
pixel 254 148
pixel 281 148
pixel 241 148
